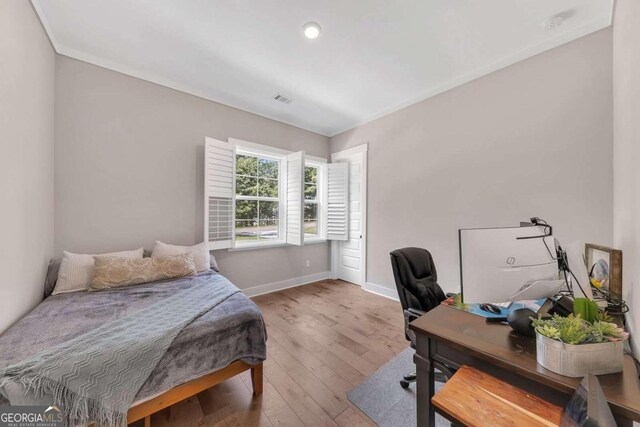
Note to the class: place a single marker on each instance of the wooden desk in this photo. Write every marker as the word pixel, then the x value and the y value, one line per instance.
pixel 453 337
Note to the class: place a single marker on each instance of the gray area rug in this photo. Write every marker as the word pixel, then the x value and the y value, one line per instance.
pixel 384 401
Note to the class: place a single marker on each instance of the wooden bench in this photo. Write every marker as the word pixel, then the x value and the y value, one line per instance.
pixel 473 398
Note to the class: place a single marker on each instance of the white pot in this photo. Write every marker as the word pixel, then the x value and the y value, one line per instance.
pixel 579 360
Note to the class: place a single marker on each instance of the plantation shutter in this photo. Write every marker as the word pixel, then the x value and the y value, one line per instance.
pixel 338 201
pixel 219 193
pixel 295 198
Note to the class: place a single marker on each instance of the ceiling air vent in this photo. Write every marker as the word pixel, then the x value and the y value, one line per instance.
pixel 283 99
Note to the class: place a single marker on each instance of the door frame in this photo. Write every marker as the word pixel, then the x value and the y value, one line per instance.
pixel 363 148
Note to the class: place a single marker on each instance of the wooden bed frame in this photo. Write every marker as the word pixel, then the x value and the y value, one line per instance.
pixel 193 387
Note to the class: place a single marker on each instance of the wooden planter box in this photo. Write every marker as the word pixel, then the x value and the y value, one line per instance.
pixel 579 360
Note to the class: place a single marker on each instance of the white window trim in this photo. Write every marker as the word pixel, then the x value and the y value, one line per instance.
pixel 259 244
pixel 267 150
pixel 274 153
pixel 273 244
pixel 321 165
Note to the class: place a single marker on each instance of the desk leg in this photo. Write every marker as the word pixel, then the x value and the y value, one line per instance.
pixel 425 387
pixel 623 422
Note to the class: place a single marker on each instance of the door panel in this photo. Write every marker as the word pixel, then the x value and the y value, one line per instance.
pixel 351 253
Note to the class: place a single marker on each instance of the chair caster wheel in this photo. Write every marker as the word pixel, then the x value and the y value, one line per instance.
pixel 404 384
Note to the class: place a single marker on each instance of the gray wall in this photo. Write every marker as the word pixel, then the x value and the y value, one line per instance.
pixel 626 153
pixel 531 139
pixel 26 158
pixel 129 169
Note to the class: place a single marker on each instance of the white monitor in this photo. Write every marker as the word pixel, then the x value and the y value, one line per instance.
pixel 507 264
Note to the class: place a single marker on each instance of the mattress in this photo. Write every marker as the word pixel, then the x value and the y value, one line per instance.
pixel 233 330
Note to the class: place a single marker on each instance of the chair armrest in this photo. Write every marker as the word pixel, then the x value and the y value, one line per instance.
pixel 412 314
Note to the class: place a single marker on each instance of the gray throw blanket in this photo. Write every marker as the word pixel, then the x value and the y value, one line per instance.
pixel 95 376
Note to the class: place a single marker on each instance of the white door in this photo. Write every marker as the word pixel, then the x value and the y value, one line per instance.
pixel 349 257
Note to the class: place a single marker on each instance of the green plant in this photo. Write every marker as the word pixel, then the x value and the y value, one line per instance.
pixel 572 329
pixel 549 331
pixel 585 308
pixel 603 316
pixel 603 330
pixel 575 330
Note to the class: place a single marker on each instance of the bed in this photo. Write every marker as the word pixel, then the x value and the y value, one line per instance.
pixel 223 342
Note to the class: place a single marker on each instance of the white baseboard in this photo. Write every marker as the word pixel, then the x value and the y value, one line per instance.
pixel 286 284
pixel 381 290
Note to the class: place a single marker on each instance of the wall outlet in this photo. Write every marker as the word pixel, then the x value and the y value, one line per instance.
pixel 308 263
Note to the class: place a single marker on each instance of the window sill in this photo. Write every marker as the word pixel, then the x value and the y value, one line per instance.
pixel 273 244
pixel 260 245
pixel 314 240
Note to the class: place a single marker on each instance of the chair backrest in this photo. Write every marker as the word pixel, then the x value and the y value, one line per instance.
pixel 416 279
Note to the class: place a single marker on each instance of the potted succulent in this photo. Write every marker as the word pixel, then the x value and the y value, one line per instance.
pixel 585 342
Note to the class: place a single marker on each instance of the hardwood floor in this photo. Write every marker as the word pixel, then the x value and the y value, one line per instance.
pixel 324 339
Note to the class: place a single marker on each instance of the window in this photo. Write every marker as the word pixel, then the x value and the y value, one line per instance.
pixel 311 202
pixel 256 195
pixel 257 198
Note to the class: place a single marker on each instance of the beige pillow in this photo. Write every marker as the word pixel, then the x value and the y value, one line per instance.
pixel 76 270
pixel 200 253
pixel 113 272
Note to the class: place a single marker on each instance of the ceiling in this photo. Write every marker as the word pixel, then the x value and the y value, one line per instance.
pixel 372 58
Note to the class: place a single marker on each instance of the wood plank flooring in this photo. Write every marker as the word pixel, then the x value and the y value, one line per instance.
pixel 324 339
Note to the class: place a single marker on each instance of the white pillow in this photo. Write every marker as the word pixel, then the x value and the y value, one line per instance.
pixel 76 270
pixel 199 252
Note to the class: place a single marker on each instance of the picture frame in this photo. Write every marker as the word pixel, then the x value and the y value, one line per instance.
pixel 604 265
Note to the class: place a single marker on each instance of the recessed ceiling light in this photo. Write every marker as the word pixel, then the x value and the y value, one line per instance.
pixel 311 30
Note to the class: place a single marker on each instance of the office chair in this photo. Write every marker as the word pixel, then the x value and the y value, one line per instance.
pixel 419 292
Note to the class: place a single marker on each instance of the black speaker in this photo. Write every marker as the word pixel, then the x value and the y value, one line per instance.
pixel 520 321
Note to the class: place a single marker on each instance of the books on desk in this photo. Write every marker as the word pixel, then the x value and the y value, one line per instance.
pixel 456 302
